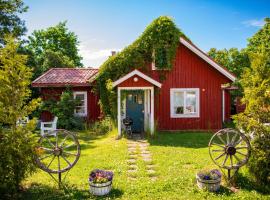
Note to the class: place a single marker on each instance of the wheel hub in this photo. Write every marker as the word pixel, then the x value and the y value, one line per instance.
pixel 231 150
pixel 57 151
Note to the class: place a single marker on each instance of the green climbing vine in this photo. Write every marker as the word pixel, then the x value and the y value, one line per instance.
pixel 158 44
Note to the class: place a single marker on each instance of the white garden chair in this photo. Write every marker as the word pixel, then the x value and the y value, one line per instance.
pixel 48 126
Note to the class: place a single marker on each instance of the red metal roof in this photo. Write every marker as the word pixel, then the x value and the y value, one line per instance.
pixel 58 77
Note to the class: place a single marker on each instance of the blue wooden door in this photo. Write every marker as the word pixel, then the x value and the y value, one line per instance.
pixel 135 109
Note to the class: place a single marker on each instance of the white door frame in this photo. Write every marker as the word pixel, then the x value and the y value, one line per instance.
pixel 148 96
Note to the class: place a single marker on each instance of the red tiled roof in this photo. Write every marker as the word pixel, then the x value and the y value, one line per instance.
pixel 57 77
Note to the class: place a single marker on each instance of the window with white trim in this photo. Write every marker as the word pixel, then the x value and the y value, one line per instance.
pixel 81 107
pixel 184 102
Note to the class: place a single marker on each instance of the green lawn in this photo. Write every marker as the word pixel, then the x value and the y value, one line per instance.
pixel 177 157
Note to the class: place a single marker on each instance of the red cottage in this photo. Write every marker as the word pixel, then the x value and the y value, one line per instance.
pixel 79 80
pixel 193 95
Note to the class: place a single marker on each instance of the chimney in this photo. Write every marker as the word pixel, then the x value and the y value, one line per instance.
pixel 113 53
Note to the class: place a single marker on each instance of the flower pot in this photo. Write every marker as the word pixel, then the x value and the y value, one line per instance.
pixel 100 189
pixel 210 185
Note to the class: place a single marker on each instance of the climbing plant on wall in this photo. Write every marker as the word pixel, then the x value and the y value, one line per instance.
pixel 158 44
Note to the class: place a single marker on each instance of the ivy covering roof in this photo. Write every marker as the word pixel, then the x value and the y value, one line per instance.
pixel 157 43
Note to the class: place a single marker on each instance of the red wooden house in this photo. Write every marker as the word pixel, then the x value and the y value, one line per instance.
pixel 80 80
pixel 192 96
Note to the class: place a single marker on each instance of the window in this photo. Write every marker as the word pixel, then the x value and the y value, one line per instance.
pixel 81 108
pixel 184 102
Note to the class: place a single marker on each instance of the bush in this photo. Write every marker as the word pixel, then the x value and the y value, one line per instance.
pixel 64 110
pixel 256 84
pixel 102 127
pixel 16 155
pixel 16 141
pixel 259 163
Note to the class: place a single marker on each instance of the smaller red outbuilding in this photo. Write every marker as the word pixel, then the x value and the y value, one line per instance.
pixel 80 80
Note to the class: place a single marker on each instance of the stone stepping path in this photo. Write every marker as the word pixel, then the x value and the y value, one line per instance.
pixel 138 149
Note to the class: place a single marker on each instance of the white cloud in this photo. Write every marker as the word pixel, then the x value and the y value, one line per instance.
pixel 254 22
pixel 95 57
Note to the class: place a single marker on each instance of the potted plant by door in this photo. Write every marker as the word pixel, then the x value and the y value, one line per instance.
pixel 209 179
pixel 100 182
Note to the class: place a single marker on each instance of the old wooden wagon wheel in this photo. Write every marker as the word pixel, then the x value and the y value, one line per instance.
pixel 229 149
pixel 57 152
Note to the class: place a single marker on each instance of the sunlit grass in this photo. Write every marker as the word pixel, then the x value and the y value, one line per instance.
pixel 176 157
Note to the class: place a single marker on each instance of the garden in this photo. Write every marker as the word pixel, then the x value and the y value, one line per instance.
pixel 176 158
pixel 165 165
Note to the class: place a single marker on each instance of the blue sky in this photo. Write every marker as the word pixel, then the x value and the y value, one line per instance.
pixel 103 25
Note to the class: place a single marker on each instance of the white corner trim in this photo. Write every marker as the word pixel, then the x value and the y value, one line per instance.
pixel 138 73
pixel 208 60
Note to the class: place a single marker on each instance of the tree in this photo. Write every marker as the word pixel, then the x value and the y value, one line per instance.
pixel 256 84
pixel 52 47
pixel 233 59
pixel 16 142
pixel 10 23
pixel 261 40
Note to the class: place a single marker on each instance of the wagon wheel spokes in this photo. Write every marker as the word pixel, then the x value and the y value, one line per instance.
pixel 228 138
pixel 66 147
pixel 47 156
pixel 46 149
pixel 221 155
pixel 234 138
pixel 66 160
pixel 229 149
pixel 226 158
pixel 218 150
pixel 61 144
pixel 241 153
pixel 245 147
pixel 49 141
pixel 238 142
pixel 51 161
pixel 218 145
pixel 59 166
pixel 73 154
pixel 231 161
pixel 220 138
pixel 64 140
pixel 238 159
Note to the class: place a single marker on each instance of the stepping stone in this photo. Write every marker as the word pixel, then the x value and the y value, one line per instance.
pixel 132 149
pixel 143 144
pixel 150 166
pixel 153 178
pixel 132 146
pixel 132 170
pixel 147 159
pixel 132 178
pixel 131 161
pixel 145 152
pixel 146 155
pixel 133 167
pixel 151 171
pixel 133 156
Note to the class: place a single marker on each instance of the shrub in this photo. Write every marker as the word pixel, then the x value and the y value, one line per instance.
pixel 16 155
pixel 16 141
pixel 102 127
pixel 64 110
pixel 256 84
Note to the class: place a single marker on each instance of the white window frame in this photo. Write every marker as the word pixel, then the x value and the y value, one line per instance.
pixel 188 115
pixel 85 103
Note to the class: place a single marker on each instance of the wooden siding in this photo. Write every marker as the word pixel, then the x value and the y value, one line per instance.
pixel 131 83
pixel 93 109
pixel 190 71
